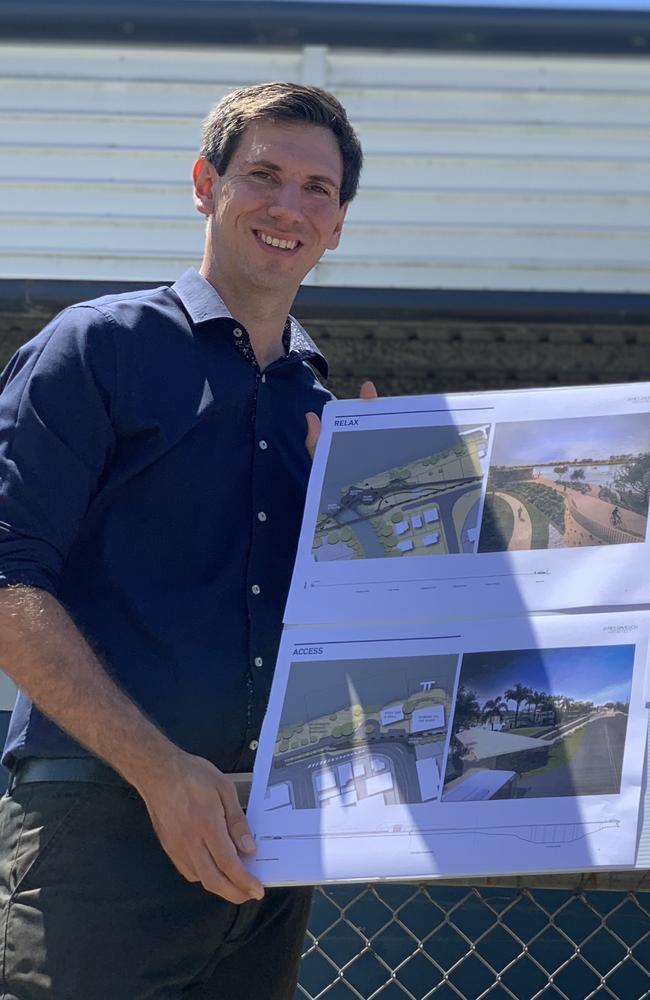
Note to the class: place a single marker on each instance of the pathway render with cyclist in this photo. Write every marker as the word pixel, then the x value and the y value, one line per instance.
pixel 583 518
pixel 601 515
pixel 522 532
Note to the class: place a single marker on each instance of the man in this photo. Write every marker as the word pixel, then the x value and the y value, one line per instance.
pixel 152 476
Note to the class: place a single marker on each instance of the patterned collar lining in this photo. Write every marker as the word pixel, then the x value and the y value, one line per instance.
pixel 204 303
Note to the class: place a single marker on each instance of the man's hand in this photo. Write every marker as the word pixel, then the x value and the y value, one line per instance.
pixel 192 805
pixel 200 824
pixel 367 391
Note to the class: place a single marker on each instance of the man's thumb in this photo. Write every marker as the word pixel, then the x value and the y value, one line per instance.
pixel 313 432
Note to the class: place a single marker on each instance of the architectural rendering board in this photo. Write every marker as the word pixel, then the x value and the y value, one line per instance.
pixel 480 503
pixel 492 747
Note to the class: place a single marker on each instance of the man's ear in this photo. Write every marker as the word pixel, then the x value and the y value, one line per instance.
pixel 204 176
pixel 336 235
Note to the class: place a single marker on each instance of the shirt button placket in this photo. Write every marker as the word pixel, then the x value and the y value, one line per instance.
pixel 261 516
pixel 261 540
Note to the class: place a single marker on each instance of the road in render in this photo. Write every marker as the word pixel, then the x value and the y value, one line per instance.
pixel 594 769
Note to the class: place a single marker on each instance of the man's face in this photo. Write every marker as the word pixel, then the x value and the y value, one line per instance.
pixel 275 210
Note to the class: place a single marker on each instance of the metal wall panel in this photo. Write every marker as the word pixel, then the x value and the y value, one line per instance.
pixel 482 171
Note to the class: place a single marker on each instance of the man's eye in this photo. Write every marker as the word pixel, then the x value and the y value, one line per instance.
pixel 319 189
pixel 262 175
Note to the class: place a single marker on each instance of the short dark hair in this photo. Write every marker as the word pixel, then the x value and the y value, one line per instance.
pixel 281 102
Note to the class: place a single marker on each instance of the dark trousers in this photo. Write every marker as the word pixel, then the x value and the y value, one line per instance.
pixel 91 908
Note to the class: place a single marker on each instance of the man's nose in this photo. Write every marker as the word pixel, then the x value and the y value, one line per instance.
pixel 286 204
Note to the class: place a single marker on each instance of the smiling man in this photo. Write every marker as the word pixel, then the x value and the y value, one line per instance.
pixel 153 466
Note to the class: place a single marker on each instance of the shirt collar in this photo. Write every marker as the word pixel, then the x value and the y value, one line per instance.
pixel 203 302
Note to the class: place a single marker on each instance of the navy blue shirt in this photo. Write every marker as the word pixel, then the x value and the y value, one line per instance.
pixel 153 478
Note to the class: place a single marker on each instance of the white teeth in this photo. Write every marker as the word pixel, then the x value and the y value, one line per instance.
pixel 273 241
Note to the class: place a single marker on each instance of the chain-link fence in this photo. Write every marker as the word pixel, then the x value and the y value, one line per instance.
pixel 469 942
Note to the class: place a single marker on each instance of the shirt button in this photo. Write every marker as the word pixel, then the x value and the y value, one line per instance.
pixel 258 661
pixel 256 589
pixel 263 445
pixel 261 516
pixel 253 745
pixel 237 332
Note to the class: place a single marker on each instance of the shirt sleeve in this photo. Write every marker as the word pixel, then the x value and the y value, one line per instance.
pixel 57 437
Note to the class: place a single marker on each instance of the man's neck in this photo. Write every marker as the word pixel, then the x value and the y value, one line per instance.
pixel 263 314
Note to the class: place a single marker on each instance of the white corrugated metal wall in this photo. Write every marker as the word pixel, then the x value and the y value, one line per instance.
pixel 483 171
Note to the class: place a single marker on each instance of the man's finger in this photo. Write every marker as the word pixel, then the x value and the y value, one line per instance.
pixel 313 432
pixel 223 852
pixel 231 867
pixel 214 879
pixel 236 822
pixel 368 390
pixel 240 838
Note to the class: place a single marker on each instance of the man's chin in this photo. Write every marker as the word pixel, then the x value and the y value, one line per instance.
pixel 276 275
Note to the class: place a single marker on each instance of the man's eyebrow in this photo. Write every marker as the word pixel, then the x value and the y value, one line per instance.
pixel 269 165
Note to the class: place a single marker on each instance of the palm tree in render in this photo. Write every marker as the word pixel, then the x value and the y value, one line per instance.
pixel 467 709
pixel 548 705
pixel 518 694
pixel 494 708
pixel 535 699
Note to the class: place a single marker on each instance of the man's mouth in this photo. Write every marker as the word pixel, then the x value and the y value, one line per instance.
pixel 275 241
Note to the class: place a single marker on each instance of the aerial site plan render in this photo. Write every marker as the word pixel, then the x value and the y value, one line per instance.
pixel 563 483
pixel 354 732
pixel 404 492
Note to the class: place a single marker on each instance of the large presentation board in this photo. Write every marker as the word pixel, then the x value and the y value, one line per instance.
pixel 486 503
pixel 461 688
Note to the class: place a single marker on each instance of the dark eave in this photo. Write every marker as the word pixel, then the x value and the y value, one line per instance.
pixel 414 342
pixel 25 294
pixel 365 25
